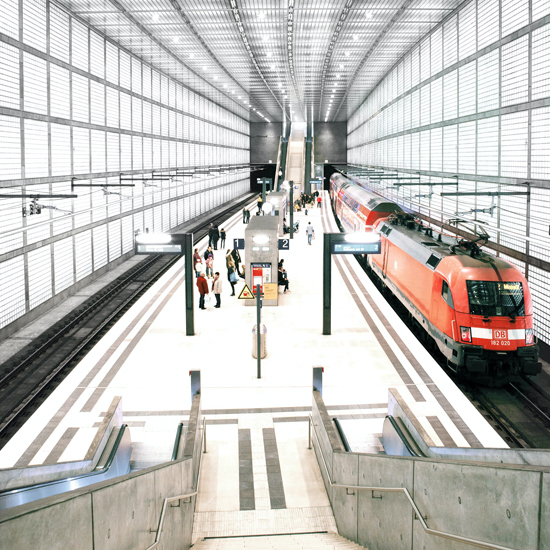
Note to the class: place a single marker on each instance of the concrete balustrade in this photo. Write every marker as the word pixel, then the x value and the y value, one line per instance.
pixel 501 504
pixel 115 514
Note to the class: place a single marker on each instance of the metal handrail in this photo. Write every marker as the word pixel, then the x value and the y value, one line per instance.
pixel 179 497
pixel 435 532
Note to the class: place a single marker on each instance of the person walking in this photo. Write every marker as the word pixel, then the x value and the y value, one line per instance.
pixel 248 216
pixel 319 200
pixel 222 238
pixel 306 208
pixel 197 262
pixel 215 237
pixel 217 288
pixel 310 232
pixel 260 203
pixel 245 212
pixel 202 285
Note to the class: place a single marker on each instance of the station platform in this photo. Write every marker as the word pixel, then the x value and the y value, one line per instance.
pixel 257 434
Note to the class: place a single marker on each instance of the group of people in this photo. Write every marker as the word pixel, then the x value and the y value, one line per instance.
pixel 232 263
pixel 215 235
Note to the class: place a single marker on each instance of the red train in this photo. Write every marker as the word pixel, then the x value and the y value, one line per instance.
pixel 475 307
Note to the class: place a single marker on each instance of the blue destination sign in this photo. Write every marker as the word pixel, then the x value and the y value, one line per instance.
pixel 356 248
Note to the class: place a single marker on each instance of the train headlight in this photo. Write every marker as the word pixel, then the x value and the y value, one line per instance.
pixel 466 334
pixel 529 336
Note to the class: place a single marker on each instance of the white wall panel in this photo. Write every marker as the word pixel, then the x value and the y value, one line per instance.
pixel 40 275
pixel 63 264
pixel 12 290
pixel 9 83
pixel 83 253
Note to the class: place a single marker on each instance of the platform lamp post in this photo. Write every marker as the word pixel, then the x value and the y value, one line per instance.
pixel 176 244
pixel 342 243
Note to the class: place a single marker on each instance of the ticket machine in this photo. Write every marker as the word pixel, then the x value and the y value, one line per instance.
pixel 262 257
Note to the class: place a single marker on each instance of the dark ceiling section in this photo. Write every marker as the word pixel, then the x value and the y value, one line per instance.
pixel 266 60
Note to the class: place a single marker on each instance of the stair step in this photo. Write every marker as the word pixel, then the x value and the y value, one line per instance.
pixel 313 541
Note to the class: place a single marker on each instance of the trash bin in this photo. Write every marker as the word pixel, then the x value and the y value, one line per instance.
pixel 263 344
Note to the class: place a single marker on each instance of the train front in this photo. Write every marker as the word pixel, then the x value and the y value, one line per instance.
pixel 494 317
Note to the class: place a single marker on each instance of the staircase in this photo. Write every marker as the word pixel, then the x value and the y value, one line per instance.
pixel 296 151
pixel 316 541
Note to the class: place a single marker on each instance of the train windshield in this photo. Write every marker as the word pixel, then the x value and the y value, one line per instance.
pixel 496 298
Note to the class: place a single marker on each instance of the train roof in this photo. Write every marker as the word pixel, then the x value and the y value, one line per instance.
pixel 430 251
pixel 357 196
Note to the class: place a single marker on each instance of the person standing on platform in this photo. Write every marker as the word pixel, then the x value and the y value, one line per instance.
pixel 245 212
pixel 222 238
pixel 210 234
pixel 236 259
pixel 202 285
pixel 215 237
pixel 217 288
pixel 210 267
pixel 306 208
pixel 231 271
pixel 310 232
pixel 260 203
pixel 197 262
pixel 319 202
pixel 208 252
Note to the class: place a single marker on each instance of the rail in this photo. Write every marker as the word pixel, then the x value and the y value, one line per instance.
pixel 418 514
pixel 342 435
pixel 168 500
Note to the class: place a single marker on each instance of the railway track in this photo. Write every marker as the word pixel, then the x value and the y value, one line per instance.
pixel 30 376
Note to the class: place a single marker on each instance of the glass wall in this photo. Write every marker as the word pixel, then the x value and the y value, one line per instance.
pixel 74 106
pixel 468 110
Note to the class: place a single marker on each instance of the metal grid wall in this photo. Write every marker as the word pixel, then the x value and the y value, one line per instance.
pixel 470 105
pixel 75 104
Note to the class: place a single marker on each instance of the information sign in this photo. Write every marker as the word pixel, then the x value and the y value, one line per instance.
pixel 158 249
pixel 270 291
pixel 284 244
pixel 238 244
pixel 356 248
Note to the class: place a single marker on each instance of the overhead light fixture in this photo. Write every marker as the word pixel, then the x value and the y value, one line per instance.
pixel 346 54
pixel 192 55
pixel 155 17
pixel 215 78
pixel 340 66
pixel 176 40
pixel 354 37
pixel 368 15
pixel 204 68
pixel 225 85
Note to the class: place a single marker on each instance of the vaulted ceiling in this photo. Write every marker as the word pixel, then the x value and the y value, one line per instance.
pixel 308 59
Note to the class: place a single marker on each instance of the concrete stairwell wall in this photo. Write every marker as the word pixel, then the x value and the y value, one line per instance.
pixel 502 504
pixel 118 514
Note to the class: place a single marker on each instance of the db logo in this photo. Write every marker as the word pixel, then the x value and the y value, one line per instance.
pixel 499 334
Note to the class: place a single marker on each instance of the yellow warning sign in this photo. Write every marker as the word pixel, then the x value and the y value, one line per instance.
pixel 270 291
pixel 246 293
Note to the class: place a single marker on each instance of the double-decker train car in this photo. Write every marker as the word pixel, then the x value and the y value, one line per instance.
pixel 475 307
pixel 356 207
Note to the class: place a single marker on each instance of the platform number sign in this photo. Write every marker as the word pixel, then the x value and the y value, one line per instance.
pixel 284 244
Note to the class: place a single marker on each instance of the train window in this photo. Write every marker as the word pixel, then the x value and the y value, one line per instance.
pixel 446 294
pixel 496 298
pixel 433 260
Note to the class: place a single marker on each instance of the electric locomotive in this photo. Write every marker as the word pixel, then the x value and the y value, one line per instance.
pixel 475 307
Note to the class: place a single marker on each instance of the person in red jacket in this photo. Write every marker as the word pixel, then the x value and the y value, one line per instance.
pixel 202 285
